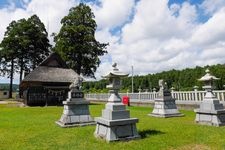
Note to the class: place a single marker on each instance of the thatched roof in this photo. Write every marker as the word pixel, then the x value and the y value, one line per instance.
pixel 52 69
pixel 51 74
pixel 54 60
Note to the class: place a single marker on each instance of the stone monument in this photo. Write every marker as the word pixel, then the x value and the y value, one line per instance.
pixel 76 109
pixel 211 111
pixel 115 123
pixel 165 105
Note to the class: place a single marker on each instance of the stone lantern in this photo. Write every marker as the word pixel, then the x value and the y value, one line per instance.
pixel 208 81
pixel 115 83
pixel 115 123
pixel 211 112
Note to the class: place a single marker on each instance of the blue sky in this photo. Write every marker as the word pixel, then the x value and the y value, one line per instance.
pixel 18 3
pixel 151 35
pixel 201 18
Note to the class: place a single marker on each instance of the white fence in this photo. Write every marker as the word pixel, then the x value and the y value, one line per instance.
pixel 188 96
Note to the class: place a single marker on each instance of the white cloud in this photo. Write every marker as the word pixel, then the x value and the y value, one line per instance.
pixel 153 19
pixel 51 12
pixel 112 13
pixel 212 31
pixel 7 15
pixel 152 36
pixel 155 36
pixel 211 6
pixel 174 8
pixel 48 11
pixel 161 38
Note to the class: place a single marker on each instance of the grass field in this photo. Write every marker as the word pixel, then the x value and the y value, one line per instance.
pixel 35 128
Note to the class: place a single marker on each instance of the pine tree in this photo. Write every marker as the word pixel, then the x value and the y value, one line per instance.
pixel 24 46
pixel 76 41
pixel 9 53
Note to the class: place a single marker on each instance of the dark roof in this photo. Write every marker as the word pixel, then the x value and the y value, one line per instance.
pixel 54 56
pixel 51 74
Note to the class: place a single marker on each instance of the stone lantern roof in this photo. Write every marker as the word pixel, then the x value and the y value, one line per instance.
pixel 115 72
pixel 208 76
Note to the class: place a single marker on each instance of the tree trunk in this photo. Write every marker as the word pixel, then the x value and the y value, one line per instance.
pixel 79 64
pixel 11 78
pixel 34 64
pixel 78 70
pixel 21 77
pixel 21 72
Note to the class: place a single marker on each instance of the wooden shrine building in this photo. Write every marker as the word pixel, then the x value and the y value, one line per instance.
pixel 48 84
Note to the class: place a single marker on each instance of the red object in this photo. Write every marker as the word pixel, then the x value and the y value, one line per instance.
pixel 126 100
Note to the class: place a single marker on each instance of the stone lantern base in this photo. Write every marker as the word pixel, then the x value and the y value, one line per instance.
pixel 165 105
pixel 216 118
pixel 116 124
pixel 165 109
pixel 211 112
pixel 75 113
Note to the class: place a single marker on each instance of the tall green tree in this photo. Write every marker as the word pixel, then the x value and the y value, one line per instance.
pixel 38 45
pixel 76 41
pixel 9 53
pixel 24 46
pixel 33 44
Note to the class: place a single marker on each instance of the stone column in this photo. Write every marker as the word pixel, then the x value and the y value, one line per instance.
pixel 139 93
pixel 128 92
pixel 196 92
pixel 154 92
pixel 172 91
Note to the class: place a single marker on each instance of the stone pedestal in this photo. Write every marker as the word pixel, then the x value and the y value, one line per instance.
pixel 211 112
pixel 115 123
pixel 75 113
pixel 165 105
pixel 76 110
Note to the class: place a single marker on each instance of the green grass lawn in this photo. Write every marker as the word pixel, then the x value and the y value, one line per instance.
pixel 35 128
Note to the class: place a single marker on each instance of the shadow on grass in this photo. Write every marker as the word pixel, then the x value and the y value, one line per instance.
pixel 146 133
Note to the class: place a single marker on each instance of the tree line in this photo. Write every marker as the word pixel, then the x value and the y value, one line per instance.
pixel 181 80
pixel 5 86
pixel 25 44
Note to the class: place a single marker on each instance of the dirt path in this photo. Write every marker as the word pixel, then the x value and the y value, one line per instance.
pixel 9 102
pixel 3 102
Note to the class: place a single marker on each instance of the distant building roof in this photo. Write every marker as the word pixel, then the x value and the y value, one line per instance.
pixel 51 74
pixel 54 60
pixel 52 69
